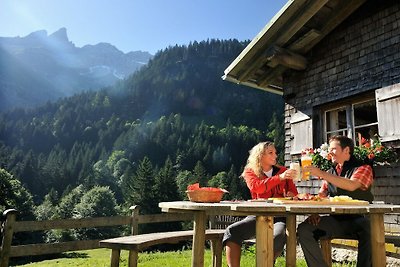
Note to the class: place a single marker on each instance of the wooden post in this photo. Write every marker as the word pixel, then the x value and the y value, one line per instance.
pixel 326 248
pixel 135 220
pixel 378 240
pixel 291 241
pixel 115 254
pixel 200 219
pixel 265 241
pixel 8 231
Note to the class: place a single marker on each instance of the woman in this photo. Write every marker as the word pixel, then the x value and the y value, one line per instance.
pixel 265 180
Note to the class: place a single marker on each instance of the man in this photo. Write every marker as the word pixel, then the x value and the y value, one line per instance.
pixel 350 177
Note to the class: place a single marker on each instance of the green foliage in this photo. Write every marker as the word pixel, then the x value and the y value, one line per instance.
pixel 15 196
pixel 67 203
pixel 200 174
pixel 375 152
pixel 183 179
pixel 322 162
pixel 276 133
pixel 165 186
pixel 46 210
pixel 220 180
pixel 177 106
pixel 97 202
pixel 142 193
pixel 369 152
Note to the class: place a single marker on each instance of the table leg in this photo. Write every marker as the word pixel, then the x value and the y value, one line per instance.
pixel 378 240
pixel 291 241
pixel 265 241
pixel 199 239
pixel 115 254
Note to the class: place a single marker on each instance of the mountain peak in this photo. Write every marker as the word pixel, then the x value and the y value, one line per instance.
pixel 60 35
pixel 37 34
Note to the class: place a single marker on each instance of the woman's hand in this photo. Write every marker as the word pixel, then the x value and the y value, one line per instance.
pixel 314 219
pixel 290 194
pixel 288 174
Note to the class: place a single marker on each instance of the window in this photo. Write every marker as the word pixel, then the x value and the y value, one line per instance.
pixel 388 109
pixel 355 120
pixel 301 132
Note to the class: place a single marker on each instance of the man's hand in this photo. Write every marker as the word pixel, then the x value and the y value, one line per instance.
pixel 314 219
pixel 315 171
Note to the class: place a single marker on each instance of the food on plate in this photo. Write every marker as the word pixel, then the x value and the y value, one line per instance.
pixel 340 198
pixel 307 196
pixel 310 197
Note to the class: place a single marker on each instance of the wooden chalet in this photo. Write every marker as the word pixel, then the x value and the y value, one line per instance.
pixel 337 65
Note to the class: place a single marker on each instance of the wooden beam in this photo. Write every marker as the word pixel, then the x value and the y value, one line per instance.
pixel 280 56
pixel 304 40
pixel 264 37
pixel 271 76
pixel 339 14
pixel 275 89
pixel 296 22
pixel 293 23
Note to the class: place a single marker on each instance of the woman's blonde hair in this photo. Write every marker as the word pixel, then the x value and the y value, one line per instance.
pixel 254 160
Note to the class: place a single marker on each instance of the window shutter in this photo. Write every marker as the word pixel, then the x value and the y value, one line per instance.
pixel 301 130
pixel 388 111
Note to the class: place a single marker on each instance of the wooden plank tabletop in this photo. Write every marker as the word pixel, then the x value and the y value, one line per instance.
pixel 322 202
pixel 322 207
pixel 223 207
pixel 307 208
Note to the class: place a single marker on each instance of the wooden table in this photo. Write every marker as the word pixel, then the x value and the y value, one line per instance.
pixel 201 211
pixel 265 213
pixel 264 226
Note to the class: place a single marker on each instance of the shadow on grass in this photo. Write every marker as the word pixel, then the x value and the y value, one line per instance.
pixel 33 259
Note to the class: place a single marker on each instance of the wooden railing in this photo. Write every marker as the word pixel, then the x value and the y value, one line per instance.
pixel 12 226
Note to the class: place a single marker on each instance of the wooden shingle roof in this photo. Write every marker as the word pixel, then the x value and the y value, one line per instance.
pixel 283 43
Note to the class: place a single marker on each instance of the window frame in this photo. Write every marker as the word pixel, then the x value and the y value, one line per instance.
pixel 348 105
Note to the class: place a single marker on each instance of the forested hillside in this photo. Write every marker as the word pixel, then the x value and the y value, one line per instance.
pixel 142 141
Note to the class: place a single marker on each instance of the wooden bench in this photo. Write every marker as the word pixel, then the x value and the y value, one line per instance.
pixel 137 243
pixel 326 246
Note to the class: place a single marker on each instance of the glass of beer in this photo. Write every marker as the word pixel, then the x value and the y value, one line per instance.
pixel 306 160
pixel 296 166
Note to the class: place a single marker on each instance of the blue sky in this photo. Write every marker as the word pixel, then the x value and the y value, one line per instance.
pixel 131 25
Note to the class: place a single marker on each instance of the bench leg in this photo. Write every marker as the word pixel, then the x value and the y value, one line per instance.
pixel 133 258
pixel 326 248
pixel 216 251
pixel 115 253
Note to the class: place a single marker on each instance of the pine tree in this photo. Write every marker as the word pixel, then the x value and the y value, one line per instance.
pixel 200 174
pixel 142 193
pixel 166 189
pixel 165 186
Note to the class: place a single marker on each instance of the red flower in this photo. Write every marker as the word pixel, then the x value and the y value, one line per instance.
pixel 371 155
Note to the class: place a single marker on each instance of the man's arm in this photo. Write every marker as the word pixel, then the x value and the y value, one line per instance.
pixel 338 181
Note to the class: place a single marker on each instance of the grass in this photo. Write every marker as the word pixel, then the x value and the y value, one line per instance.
pixel 101 258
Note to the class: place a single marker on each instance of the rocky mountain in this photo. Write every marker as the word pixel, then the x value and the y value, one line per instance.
pixel 41 67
